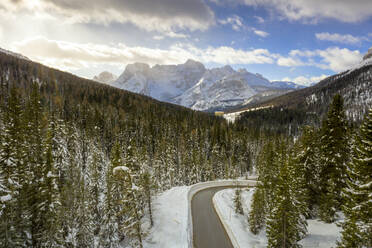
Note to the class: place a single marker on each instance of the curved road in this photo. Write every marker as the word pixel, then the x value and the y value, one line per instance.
pixel 208 231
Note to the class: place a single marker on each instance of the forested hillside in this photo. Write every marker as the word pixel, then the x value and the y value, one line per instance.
pixel 288 112
pixel 81 160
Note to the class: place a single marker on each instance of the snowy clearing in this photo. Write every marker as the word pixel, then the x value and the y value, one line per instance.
pixel 320 234
pixel 170 210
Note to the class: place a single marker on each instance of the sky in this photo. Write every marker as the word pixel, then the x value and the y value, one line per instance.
pixel 298 40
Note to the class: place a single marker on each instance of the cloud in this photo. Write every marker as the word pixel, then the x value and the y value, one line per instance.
pixel 315 10
pixel 261 33
pixel 235 21
pixel 338 59
pixel 259 19
pixel 289 62
pixel 158 37
pixel 160 15
pixel 340 38
pixel 333 58
pixel 307 81
pixel 73 56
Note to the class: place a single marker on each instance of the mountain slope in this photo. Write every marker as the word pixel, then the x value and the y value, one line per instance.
pixel 354 85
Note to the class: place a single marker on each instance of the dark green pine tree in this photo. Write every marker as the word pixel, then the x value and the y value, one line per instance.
pixel 238 201
pixel 306 160
pixel 285 224
pixel 113 196
pixel 130 204
pixel 257 214
pixel 12 173
pixel 147 184
pixel 334 156
pixel 34 116
pixel 51 203
pixel 357 228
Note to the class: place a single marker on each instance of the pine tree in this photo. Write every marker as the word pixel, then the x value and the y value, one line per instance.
pixel 147 186
pixel 12 172
pixel 257 214
pixel 334 156
pixel 131 206
pixel 113 195
pixel 357 227
pixel 238 201
pixel 285 224
pixel 307 165
pixel 50 209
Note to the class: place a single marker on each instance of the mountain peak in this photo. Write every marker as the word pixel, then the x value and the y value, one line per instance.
pixel 105 77
pixel 368 54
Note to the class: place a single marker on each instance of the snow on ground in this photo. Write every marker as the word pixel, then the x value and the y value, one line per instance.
pixel 320 234
pixel 237 223
pixel 170 210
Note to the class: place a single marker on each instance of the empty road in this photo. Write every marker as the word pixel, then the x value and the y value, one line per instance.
pixel 208 231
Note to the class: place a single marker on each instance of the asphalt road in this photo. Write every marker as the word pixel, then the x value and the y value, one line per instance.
pixel 208 231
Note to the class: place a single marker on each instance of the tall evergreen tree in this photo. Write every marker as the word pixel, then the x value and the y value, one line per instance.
pixel 257 214
pixel 238 201
pixel 285 224
pixel 306 160
pixel 334 156
pixel 357 227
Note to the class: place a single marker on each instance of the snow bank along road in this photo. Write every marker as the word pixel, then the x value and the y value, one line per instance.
pixel 207 230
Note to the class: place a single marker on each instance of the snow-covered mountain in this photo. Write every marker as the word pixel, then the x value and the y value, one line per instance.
pixel 192 85
pixel 105 77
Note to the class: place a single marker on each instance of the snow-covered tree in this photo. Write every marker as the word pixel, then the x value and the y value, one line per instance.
pixel 357 227
pixel 333 159
pixel 257 214
pixel 286 224
pixel 238 201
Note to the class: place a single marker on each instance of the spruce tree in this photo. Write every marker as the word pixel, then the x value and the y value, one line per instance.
pixel 357 227
pixel 306 160
pixel 238 201
pixel 12 172
pixel 334 156
pixel 257 214
pixel 285 224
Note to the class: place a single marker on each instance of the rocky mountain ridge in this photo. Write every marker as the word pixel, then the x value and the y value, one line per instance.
pixel 194 86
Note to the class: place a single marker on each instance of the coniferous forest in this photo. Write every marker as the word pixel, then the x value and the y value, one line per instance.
pixel 81 162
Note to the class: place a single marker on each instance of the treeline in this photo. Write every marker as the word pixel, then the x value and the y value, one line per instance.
pixel 325 172
pixel 80 161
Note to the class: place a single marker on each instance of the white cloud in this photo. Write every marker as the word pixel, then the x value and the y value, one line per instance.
pixel 158 37
pixel 333 58
pixel 314 10
pixel 338 59
pixel 259 19
pixel 302 80
pixel 235 21
pixel 160 15
pixel 261 33
pixel 340 38
pixel 289 62
pixel 73 56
